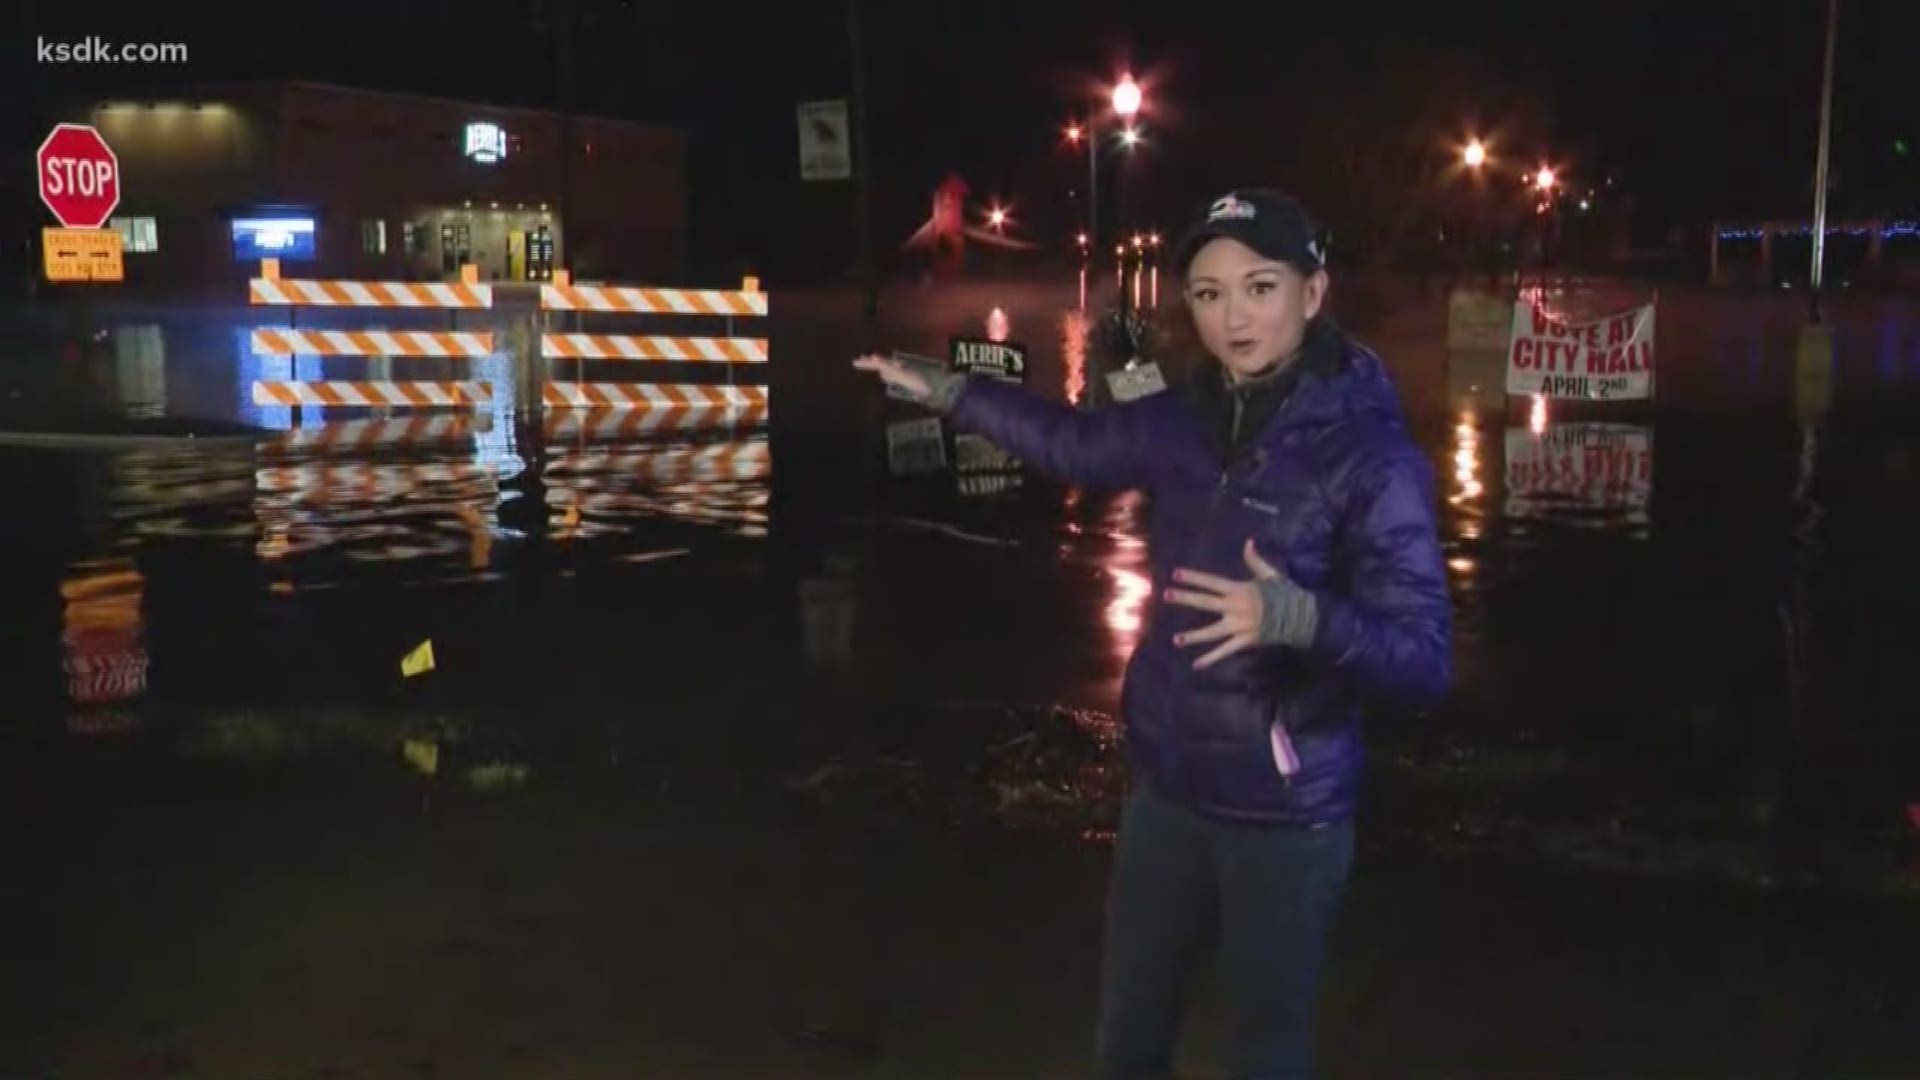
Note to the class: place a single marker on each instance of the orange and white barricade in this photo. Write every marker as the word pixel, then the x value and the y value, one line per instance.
pixel 407 294
pixel 376 395
pixel 727 350
pixel 271 288
pixel 284 342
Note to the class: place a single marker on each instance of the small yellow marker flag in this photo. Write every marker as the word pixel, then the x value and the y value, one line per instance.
pixel 419 661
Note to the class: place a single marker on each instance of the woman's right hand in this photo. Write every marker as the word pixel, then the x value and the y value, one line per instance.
pixel 895 374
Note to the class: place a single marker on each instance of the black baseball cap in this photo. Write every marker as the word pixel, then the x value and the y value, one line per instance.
pixel 1271 223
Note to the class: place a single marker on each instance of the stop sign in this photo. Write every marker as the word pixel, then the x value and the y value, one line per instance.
pixel 79 176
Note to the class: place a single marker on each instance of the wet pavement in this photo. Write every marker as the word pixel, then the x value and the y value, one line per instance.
pixel 742 758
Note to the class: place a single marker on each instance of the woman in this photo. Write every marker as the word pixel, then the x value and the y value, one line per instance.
pixel 1298 578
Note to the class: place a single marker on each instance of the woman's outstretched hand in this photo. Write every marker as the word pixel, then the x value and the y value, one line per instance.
pixel 895 374
pixel 1238 602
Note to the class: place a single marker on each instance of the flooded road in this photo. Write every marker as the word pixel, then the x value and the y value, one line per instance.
pixel 740 757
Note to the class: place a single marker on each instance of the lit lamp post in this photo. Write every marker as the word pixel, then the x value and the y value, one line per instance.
pixel 1543 182
pixel 1153 244
pixel 1473 157
pixel 1126 99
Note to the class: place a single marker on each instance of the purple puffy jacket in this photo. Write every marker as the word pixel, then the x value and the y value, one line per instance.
pixel 1334 493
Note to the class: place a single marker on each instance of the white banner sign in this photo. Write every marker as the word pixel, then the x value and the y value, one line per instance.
pixel 1607 359
pixel 1133 383
pixel 826 145
pixel 1579 467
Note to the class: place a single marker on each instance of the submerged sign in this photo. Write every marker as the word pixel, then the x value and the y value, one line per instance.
pixel 1579 468
pixel 916 446
pixel 1607 359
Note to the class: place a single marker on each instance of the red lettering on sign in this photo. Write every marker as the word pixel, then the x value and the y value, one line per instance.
pixel 1523 354
pixel 1540 321
pixel 1593 335
pixel 1617 331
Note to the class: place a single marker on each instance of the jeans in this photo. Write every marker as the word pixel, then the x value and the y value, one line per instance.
pixel 1266 895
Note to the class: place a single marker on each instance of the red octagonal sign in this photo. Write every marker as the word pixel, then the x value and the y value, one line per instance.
pixel 79 176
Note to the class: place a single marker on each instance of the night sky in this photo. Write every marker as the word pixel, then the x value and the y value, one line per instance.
pixel 1699 110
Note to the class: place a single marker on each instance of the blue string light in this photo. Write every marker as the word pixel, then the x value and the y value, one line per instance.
pixel 1890 231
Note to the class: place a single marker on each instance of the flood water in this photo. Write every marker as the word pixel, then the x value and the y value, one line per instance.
pixel 739 756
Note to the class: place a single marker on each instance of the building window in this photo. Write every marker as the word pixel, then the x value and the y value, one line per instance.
pixel 373 236
pixel 413 238
pixel 137 234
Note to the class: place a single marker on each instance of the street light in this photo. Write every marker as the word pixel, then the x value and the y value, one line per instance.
pixel 997 217
pixel 1126 98
pixel 1544 178
pixel 1475 154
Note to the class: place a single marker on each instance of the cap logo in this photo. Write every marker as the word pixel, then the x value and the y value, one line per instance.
pixel 1230 207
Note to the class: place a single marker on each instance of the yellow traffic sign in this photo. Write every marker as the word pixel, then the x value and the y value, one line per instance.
pixel 83 254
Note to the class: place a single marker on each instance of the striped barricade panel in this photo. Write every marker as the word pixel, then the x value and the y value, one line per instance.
pixel 652 396
pixel 285 342
pixel 409 294
pixel 719 350
pixel 641 300
pixel 419 395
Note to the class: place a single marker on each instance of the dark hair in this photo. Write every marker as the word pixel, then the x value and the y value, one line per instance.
pixel 1178 346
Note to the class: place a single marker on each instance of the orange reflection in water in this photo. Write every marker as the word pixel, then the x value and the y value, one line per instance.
pixel 1073 351
pixel 104 641
pixel 1126 567
pixel 1130 591
pixel 1466 461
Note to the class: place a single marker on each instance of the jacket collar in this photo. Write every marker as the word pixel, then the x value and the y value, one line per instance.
pixel 1322 355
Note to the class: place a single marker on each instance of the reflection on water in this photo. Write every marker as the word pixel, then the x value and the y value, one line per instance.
pixel 140 370
pixel 104 643
pixel 1106 534
pixel 1073 351
pixel 701 467
pixel 1591 475
pixel 374 511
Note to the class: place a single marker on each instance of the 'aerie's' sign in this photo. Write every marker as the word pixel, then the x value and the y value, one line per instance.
pixel 1000 359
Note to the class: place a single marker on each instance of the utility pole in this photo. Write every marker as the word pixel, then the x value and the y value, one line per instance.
pixel 1820 167
pixel 863 168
